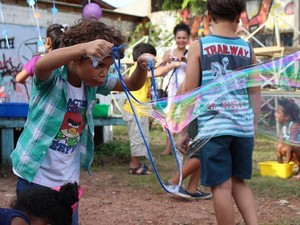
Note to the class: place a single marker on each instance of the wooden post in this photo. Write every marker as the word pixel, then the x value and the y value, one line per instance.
pixel 296 41
pixel 7 145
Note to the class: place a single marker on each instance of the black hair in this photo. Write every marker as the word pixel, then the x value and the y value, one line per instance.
pixel 142 48
pixel 290 108
pixel 54 32
pixel 225 9
pixel 181 27
pixel 90 30
pixel 53 207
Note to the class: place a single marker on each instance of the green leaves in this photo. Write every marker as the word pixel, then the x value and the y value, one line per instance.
pixel 195 6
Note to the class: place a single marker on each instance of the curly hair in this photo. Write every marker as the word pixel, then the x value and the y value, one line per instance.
pixel 90 30
pixel 53 207
pixel 181 27
pixel 225 9
pixel 290 108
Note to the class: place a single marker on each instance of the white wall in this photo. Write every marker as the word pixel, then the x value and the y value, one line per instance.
pixel 137 8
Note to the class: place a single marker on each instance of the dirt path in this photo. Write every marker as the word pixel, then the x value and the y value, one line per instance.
pixel 109 198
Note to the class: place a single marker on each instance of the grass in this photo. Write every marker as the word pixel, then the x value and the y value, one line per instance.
pixel 266 186
pixel 117 154
pixel 114 157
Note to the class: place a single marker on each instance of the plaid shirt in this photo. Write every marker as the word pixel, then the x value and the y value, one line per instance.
pixel 47 107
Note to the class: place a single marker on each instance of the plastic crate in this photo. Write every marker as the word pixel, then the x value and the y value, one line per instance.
pixel 14 110
pixel 275 169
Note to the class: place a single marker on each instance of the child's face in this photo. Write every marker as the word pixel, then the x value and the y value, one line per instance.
pixel 279 115
pixel 181 39
pixel 94 76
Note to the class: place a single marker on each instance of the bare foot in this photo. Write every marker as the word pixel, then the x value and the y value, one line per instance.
pixel 165 152
pixel 296 177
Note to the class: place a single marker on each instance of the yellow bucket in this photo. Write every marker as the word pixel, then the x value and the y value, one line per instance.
pixel 275 169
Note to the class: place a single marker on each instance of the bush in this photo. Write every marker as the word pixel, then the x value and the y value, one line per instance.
pixel 112 152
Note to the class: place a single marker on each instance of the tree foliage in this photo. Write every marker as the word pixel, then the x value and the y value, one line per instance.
pixel 195 6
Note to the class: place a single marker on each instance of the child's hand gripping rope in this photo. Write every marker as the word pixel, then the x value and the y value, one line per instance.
pixel 146 61
pixel 114 52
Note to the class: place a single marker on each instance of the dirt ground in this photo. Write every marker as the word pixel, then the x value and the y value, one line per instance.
pixel 109 198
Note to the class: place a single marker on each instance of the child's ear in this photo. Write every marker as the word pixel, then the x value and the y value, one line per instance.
pixel 209 17
pixel 48 43
pixel 287 117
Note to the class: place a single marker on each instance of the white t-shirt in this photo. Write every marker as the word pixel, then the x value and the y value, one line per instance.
pixel 62 162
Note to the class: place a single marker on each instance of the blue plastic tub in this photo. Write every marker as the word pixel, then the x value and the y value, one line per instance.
pixel 13 110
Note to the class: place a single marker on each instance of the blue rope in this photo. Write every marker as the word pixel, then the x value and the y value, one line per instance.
pixel 127 93
pixel 151 66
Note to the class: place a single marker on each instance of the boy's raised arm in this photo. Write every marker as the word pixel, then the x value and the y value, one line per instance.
pixel 62 56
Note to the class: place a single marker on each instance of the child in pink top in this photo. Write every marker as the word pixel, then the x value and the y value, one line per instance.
pixel 29 66
pixel 53 34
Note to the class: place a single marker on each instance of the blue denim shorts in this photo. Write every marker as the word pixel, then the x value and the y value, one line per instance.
pixel 226 156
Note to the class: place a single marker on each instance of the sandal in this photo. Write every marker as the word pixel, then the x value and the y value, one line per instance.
pixel 141 169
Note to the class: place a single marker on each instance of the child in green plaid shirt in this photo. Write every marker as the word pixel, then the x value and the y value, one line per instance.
pixel 58 134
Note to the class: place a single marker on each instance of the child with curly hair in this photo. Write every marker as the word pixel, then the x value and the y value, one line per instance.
pixel 58 134
pixel 42 206
pixel 288 146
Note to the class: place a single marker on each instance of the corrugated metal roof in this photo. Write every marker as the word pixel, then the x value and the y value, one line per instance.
pixel 79 3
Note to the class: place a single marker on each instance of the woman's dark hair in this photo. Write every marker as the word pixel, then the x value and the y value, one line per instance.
pixel 53 207
pixel 181 27
pixel 142 48
pixel 290 108
pixel 90 30
pixel 54 32
pixel 225 9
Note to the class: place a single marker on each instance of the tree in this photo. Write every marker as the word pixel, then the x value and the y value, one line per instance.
pixel 192 13
pixel 196 7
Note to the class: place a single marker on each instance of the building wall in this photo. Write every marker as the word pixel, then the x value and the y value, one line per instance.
pixel 19 35
pixel 22 15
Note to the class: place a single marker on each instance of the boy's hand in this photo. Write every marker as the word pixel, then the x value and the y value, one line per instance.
pixel 144 59
pixel 183 142
pixel 98 48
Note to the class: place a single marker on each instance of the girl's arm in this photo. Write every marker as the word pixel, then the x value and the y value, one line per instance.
pixel 193 68
pixel 62 56
pixel 255 94
pixel 191 82
pixel 28 69
pixel 22 76
pixel 295 132
pixel 165 67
